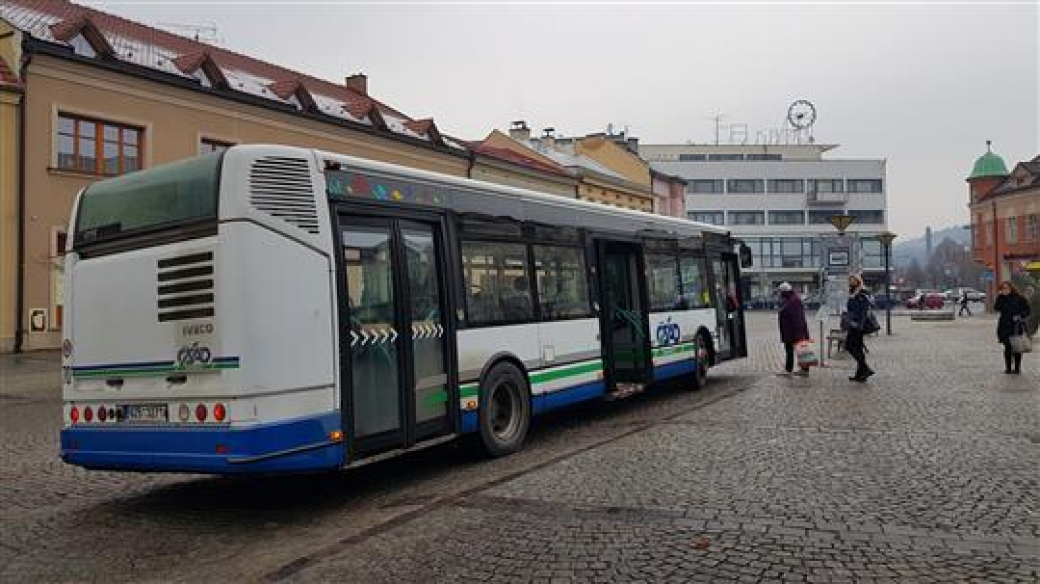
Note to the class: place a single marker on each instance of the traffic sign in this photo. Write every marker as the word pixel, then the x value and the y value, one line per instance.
pixel 842 222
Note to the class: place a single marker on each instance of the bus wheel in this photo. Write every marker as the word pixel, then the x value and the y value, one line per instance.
pixel 703 357
pixel 505 410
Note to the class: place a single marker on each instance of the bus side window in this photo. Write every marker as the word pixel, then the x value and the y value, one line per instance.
pixel 497 283
pixel 694 291
pixel 662 281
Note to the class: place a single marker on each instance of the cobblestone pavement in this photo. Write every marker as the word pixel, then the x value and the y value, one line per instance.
pixel 929 472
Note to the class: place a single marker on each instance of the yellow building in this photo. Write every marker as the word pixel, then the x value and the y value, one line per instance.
pixel 104 96
pixel 605 172
pixel 494 161
pixel 10 119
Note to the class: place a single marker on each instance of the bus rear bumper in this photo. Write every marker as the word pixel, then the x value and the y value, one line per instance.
pixel 299 445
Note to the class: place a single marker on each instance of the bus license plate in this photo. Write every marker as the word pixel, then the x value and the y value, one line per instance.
pixel 145 413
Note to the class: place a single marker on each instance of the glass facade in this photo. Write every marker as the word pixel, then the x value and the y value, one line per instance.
pixel 865 185
pixel 804 252
pixel 786 218
pixel 747 218
pixel 746 185
pixel 786 185
pixel 705 186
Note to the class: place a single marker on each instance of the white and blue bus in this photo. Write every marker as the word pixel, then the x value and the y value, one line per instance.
pixel 274 309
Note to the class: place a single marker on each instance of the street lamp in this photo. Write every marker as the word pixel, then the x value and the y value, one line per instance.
pixel 886 240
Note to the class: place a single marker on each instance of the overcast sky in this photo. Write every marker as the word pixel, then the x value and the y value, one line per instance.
pixel 920 85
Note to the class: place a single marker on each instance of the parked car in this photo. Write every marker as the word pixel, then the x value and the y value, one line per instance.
pixel 974 295
pixel 927 300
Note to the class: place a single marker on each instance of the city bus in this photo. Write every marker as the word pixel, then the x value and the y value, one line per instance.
pixel 273 309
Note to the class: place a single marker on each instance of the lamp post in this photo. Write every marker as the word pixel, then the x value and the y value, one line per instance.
pixel 886 241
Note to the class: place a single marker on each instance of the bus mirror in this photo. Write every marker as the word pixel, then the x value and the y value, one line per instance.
pixel 746 259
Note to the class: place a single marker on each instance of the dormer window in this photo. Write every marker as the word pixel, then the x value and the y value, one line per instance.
pixel 82 47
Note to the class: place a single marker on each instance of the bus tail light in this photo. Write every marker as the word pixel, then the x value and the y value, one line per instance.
pixel 102 414
pixel 219 413
pixel 74 414
pixel 88 414
pixel 200 412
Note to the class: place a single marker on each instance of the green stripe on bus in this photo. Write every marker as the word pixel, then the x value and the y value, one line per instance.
pixel 568 371
pixel 672 350
pixel 149 371
pixel 468 390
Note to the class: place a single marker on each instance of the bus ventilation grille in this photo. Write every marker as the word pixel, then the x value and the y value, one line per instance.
pixel 185 287
pixel 281 187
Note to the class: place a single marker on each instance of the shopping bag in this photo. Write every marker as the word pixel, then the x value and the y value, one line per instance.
pixel 805 353
pixel 1020 343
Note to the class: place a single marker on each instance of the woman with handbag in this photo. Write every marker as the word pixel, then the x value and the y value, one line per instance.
pixel 1013 309
pixel 793 328
pixel 857 310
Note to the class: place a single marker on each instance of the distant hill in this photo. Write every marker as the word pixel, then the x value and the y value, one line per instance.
pixel 904 251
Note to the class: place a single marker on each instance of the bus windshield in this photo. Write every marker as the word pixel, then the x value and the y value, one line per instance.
pixel 163 197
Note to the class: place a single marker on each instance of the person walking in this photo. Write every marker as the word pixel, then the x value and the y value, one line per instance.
pixel 793 328
pixel 1013 309
pixel 964 304
pixel 857 308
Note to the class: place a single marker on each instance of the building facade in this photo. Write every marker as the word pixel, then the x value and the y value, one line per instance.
pixel 100 96
pixel 779 200
pixel 1005 218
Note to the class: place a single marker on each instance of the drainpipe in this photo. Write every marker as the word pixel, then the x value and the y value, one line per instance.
pixel 19 330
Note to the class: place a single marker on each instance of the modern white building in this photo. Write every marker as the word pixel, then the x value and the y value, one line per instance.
pixel 779 199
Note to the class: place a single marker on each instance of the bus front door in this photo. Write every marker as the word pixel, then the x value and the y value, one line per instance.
pixel 394 336
pixel 623 318
pixel 730 332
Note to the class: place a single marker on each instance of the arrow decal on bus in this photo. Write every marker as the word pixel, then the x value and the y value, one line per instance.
pixel 374 335
pixel 426 330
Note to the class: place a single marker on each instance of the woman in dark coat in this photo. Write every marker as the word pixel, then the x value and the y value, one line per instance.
pixel 793 328
pixel 857 308
pixel 1013 309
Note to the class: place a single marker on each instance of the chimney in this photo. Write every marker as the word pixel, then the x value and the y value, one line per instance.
pixel 358 82
pixel 549 137
pixel 520 131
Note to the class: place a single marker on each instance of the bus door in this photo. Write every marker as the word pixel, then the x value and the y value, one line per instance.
pixel 728 307
pixel 623 315
pixel 396 346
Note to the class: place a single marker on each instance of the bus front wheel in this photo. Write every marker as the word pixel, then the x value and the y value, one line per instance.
pixel 505 410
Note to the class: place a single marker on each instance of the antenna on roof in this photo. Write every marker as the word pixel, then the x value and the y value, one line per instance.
pixel 718 117
pixel 205 33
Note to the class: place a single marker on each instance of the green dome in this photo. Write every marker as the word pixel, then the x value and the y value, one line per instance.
pixel 989 164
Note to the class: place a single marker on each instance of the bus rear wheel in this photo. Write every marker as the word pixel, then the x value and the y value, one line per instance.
pixel 505 410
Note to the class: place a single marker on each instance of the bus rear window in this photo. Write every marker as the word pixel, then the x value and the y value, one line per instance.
pixel 150 200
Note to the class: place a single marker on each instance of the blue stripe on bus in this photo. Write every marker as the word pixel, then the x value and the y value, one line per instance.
pixel 194 449
pixel 565 397
pixel 676 369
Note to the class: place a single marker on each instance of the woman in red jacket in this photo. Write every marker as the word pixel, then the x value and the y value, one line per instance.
pixel 793 328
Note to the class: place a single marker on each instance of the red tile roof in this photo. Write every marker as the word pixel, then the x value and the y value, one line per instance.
pixel 61 21
pixel 507 155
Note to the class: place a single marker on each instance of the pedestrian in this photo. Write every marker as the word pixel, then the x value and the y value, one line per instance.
pixel 857 308
pixel 793 328
pixel 1013 309
pixel 964 304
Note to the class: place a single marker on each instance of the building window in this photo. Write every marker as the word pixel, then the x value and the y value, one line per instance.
pixel 1012 230
pixel 725 157
pixel 871 217
pixel 826 185
pixel 209 145
pixel 764 157
pixel 864 185
pixel 710 217
pixel 821 217
pixel 747 218
pixel 701 186
pixel 692 157
pixel 1032 229
pixel 746 185
pixel 786 185
pixel 98 147
pixel 786 218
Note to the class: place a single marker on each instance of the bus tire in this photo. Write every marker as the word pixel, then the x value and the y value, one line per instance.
pixel 504 415
pixel 702 354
